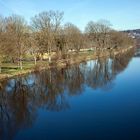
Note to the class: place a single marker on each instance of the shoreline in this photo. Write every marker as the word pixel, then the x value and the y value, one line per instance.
pixel 80 57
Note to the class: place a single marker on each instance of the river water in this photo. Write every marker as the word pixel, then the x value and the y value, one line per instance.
pixel 97 99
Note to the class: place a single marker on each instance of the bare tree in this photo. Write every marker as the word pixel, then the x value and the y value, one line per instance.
pixel 1 40
pixel 120 39
pixel 47 23
pixel 16 30
pixel 74 36
pixel 98 33
pixel 33 44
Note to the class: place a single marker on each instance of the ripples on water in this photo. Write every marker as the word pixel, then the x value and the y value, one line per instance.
pixel 92 100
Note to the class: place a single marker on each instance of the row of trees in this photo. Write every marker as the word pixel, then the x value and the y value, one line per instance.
pixel 46 34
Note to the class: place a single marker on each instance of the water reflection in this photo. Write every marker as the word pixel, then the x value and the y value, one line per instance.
pixel 21 97
pixel 137 52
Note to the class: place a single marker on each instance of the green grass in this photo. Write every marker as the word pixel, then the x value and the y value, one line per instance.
pixel 12 69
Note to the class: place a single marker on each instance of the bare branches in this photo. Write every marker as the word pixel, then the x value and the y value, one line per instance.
pixel 74 36
pixel 48 24
pixel 102 36
pixel 46 34
pixel 15 36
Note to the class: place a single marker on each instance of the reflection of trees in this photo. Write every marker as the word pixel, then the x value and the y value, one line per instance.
pixel 21 97
pixel 137 52
pixel 121 62
pixel 105 70
pixel 15 112
pixel 48 90
pixel 74 80
pixel 101 74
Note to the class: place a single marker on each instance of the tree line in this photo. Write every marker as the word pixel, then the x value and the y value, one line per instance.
pixel 46 33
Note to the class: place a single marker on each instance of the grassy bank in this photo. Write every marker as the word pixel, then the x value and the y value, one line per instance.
pixel 10 70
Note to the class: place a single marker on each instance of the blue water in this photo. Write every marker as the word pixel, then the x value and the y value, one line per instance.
pixel 89 101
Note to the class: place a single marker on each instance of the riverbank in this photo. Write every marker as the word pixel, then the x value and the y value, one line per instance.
pixel 73 59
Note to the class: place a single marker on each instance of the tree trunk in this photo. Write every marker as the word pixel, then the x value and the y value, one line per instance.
pixel 0 66
pixel 35 60
pixel 49 58
pixel 49 52
pixel 13 60
pixel 20 63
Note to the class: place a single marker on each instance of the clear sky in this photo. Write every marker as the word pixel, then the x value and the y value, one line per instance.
pixel 123 14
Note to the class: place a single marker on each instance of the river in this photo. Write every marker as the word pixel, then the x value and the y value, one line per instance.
pixel 97 99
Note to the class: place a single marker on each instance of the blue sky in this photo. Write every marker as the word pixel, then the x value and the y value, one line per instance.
pixel 123 14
